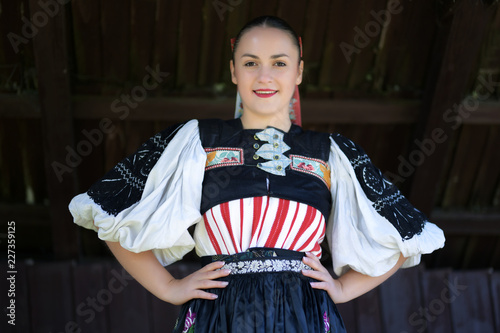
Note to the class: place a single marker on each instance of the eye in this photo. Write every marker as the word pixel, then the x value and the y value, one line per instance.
pixel 250 64
pixel 280 64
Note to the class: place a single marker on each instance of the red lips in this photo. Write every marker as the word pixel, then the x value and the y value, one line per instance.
pixel 265 93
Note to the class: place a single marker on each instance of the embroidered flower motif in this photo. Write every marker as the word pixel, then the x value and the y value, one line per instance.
pixel 312 166
pixel 268 265
pixel 189 323
pixel 308 167
pixel 219 157
pixel 210 157
pixel 326 320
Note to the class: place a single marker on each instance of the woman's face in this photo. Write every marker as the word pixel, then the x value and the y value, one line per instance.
pixel 266 69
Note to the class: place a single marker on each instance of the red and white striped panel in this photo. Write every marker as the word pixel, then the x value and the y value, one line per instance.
pixel 237 225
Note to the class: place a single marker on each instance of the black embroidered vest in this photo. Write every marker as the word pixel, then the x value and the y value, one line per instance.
pixel 233 167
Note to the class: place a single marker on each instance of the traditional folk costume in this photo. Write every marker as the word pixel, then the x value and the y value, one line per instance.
pixel 259 199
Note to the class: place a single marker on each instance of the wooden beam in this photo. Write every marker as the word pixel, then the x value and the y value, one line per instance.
pixel 51 58
pixel 467 223
pixel 19 107
pixel 333 111
pixel 457 49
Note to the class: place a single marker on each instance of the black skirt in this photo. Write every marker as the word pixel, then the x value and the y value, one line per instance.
pixel 267 293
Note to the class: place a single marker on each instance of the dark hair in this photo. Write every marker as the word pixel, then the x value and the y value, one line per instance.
pixel 271 22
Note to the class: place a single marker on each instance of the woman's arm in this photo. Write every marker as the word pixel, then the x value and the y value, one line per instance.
pixel 350 285
pixel 148 271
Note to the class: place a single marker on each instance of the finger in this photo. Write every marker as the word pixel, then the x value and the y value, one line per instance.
pixel 205 295
pixel 316 275
pixel 320 285
pixel 207 284
pixel 212 275
pixel 212 266
pixel 314 264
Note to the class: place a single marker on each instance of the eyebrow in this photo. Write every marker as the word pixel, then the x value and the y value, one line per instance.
pixel 275 56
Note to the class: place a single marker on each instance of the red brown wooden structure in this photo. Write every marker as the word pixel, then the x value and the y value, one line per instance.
pixel 418 87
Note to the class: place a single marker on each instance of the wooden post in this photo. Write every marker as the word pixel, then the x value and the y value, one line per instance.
pixel 456 52
pixel 51 58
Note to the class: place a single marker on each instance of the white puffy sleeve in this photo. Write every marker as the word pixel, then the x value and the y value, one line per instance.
pixel 150 199
pixel 371 222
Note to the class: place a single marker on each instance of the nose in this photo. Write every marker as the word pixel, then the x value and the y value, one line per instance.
pixel 265 75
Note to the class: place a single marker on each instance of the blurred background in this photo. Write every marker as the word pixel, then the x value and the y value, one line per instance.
pixel 84 83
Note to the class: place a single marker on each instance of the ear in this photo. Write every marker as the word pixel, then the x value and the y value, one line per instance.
pixel 231 68
pixel 301 70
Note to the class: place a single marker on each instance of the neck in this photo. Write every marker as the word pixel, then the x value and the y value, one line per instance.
pixel 283 124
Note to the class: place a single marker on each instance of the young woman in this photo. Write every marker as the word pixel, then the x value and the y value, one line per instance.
pixel 263 194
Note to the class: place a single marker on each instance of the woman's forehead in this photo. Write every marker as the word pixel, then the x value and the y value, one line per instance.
pixel 266 41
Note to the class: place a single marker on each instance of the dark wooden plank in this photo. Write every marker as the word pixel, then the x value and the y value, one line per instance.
pixel 14 45
pixel 167 39
pixel 12 180
pixel 313 38
pixel 137 133
pixel 465 166
pixel 189 44
pixel 114 146
pixel 51 297
pixel 495 296
pixel 115 44
pixel 128 308
pixel 396 310
pixel 447 85
pixel 91 296
pixel 360 77
pixel 294 15
pixel 51 54
pixel 335 66
pixel 260 8
pixel 143 24
pixel 212 46
pixel 33 157
pixel 86 18
pixel 488 175
pixel 403 53
pixel 471 310
pixel 368 312
pixel 234 18
pixel 435 314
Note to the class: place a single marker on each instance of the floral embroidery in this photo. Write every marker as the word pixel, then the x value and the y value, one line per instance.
pixel 268 265
pixel 313 167
pixel 218 157
pixel 273 151
pixel 326 320
pixel 189 323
